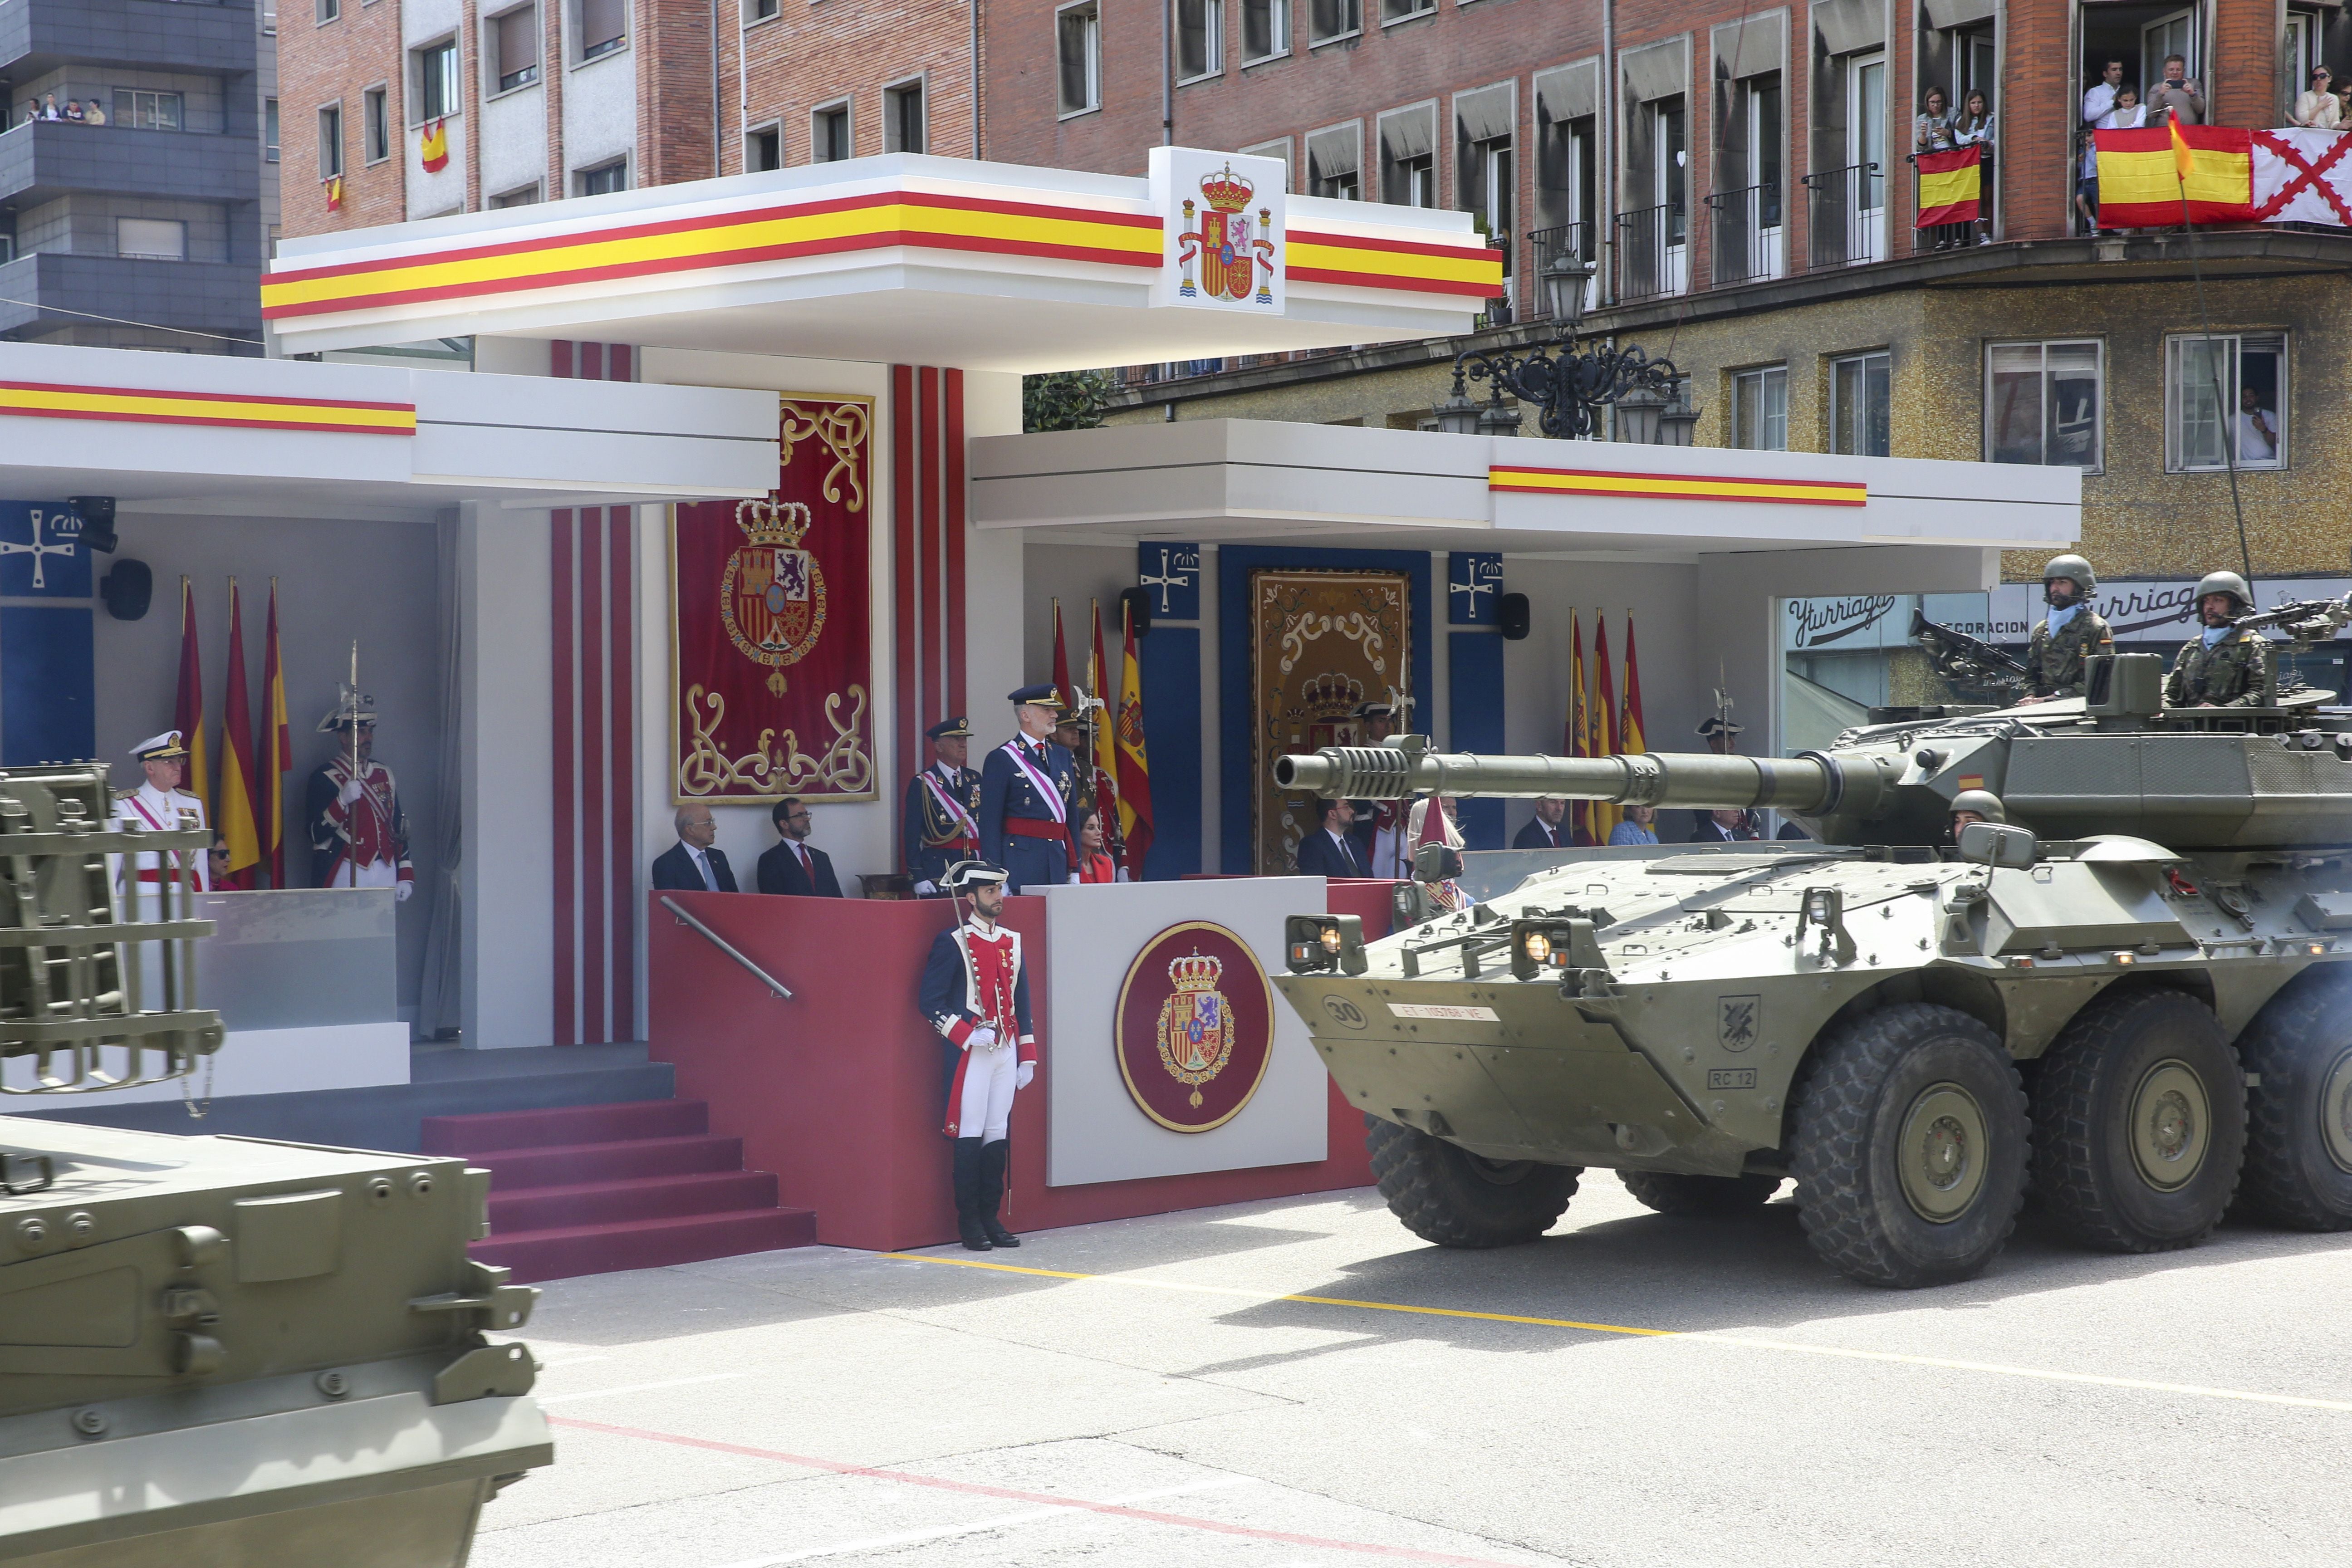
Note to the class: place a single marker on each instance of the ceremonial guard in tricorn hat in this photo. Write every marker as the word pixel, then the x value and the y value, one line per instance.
pixel 1026 786
pixel 941 823
pixel 158 806
pixel 359 834
pixel 976 993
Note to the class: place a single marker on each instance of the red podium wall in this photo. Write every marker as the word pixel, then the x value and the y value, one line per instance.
pixel 840 1092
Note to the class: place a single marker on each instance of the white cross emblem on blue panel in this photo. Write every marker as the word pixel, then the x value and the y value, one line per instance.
pixel 1171 573
pixel 1473 580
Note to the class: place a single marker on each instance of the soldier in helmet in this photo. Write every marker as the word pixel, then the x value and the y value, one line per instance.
pixel 1973 806
pixel 2071 631
pixel 2222 666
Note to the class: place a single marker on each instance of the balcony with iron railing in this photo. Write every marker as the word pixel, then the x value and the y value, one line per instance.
pixel 1846 216
pixel 1748 236
pixel 1652 247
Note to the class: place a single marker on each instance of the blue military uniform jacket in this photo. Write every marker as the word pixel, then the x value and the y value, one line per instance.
pixel 1008 792
pixel 952 1000
pixel 934 838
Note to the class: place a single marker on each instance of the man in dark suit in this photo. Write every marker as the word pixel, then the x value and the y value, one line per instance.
pixel 1728 827
pixel 692 865
pixel 1548 830
pixel 791 866
pixel 1331 850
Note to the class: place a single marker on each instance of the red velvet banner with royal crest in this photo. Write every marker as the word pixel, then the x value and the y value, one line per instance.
pixel 772 662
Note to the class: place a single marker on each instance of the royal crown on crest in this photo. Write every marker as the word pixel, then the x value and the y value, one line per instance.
pixel 1197 972
pixel 772 523
pixel 1330 696
pixel 1227 191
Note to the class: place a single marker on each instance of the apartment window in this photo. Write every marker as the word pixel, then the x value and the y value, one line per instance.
pixel 1199 38
pixel 1409 157
pixel 1860 397
pixel 270 129
pixel 149 111
pixel 514 47
pixel 375 124
pixel 604 179
pixel 1328 20
pixel 1404 10
pixel 603 28
pixel 151 238
pixel 763 149
pixel 1077 38
pixel 1759 409
pixel 2042 403
pixel 521 196
pixel 761 11
pixel 1265 29
pixel 1335 162
pixel 2245 373
pixel 328 10
pixel 436 80
pixel 330 141
pixel 829 134
pixel 902 118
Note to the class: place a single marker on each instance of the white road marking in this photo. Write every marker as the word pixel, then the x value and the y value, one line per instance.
pixel 641 1387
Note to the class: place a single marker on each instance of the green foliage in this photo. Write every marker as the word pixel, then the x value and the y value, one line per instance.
pixel 1063 400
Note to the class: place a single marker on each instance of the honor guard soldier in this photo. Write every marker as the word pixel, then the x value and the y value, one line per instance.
pixel 2072 630
pixel 2222 666
pixel 976 993
pixel 1026 788
pixel 159 805
pixel 941 823
pixel 359 834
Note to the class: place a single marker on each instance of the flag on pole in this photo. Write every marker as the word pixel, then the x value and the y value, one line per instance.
pixel 1952 186
pixel 1578 743
pixel 2146 176
pixel 233 812
pixel 433 147
pixel 1134 768
pixel 1106 744
pixel 273 748
pixel 188 708
pixel 1061 658
pixel 1631 731
pixel 1605 816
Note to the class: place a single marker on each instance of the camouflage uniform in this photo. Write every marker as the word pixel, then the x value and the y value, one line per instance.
pixel 2233 673
pixel 2055 663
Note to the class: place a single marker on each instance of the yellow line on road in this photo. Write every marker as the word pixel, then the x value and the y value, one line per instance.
pixel 1793 1347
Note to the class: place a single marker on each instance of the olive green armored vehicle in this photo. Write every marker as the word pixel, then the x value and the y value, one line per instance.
pixel 217 1350
pixel 2132 998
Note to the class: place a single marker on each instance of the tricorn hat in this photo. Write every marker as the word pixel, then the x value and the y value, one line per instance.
pixel 339 716
pixel 965 875
pixel 1715 724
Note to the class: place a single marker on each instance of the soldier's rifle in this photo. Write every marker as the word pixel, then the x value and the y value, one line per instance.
pixel 1960 657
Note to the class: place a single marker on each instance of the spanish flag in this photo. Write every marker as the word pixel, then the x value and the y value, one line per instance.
pixel 335 194
pixel 1105 756
pixel 233 812
pixel 1579 727
pixel 434 147
pixel 1951 186
pixel 1134 766
pixel 2145 176
pixel 1606 814
pixel 188 705
pixel 273 748
pixel 1629 728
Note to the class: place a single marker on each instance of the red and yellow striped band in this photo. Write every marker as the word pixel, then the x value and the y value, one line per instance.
pixel 1416 266
pixel 44 400
pixel 1679 487
pixel 871 221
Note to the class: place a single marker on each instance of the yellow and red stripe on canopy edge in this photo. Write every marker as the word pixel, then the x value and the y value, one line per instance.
pixel 1679 487
pixel 2141 184
pixel 1952 186
pixel 47 400
pixel 1363 261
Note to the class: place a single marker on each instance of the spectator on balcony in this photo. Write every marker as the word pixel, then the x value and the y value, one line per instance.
pixel 2319 109
pixel 73 110
pixel 2101 97
pixel 93 112
pixel 2176 97
pixel 49 106
pixel 1932 130
pixel 1974 128
pixel 2128 114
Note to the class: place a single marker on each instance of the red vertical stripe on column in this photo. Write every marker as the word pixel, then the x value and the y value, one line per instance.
pixel 626 887
pixel 558 358
pixel 927 380
pixel 564 830
pixel 595 763
pixel 904 674
pixel 618 362
pixel 954 526
pixel 591 362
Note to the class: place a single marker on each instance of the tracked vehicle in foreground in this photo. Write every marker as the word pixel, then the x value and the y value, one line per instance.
pixel 2135 998
pixel 218 1350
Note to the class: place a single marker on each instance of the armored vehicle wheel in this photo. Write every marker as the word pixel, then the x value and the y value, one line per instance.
pixel 1910 1146
pixel 2139 1122
pixel 1454 1198
pixel 2299 1115
pixel 1669 1192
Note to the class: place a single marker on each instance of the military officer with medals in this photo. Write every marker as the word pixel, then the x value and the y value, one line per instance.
pixel 975 993
pixel 2053 655
pixel 1026 786
pixel 2222 666
pixel 940 824
pixel 359 834
pixel 158 806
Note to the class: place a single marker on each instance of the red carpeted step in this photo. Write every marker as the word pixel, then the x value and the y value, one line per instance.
pixel 642 1197
pixel 565 1165
pixel 564 1252
pixel 564 1124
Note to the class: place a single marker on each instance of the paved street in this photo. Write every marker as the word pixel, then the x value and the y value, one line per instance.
pixel 1231 1386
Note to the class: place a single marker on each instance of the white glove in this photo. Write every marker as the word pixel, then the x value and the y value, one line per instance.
pixel 400 890
pixel 1075 878
pixel 1020 1079
pixel 982 1039
pixel 925 889
pixel 350 792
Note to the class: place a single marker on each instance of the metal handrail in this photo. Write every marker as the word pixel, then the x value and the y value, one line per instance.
pixel 1647 238
pixel 1740 220
pixel 784 993
pixel 1834 200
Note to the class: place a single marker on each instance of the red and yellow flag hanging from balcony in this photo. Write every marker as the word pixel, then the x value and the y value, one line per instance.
pixel 434 147
pixel 2146 176
pixel 1952 186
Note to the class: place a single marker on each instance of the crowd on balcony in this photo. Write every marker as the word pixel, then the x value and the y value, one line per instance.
pixel 76 110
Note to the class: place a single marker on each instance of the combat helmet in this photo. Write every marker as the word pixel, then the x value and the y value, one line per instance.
pixel 2075 570
pixel 1983 802
pixel 2228 583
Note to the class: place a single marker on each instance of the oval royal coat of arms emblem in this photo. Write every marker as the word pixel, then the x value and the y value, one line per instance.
pixel 1194 1028
pixel 771 596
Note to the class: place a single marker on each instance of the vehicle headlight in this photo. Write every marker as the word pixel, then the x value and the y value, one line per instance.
pixel 1538 947
pixel 1330 939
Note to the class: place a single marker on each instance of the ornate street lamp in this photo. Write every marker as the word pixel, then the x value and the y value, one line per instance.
pixel 1565 279
pixel 1568 390
pixel 1676 420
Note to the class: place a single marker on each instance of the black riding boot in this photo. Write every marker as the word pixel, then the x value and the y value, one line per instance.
pixel 968 1193
pixel 993 1158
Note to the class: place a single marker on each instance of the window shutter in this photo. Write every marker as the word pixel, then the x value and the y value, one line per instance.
pixel 602 22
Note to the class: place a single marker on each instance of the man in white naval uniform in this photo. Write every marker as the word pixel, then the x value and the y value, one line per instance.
pixel 157 805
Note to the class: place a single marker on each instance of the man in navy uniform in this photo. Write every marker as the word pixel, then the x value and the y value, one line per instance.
pixel 975 993
pixel 941 823
pixel 1026 788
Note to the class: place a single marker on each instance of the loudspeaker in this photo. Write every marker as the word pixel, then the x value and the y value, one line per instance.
pixel 97 514
pixel 1511 615
pixel 128 589
pixel 1137 606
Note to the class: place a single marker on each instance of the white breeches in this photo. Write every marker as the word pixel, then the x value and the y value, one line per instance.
pixel 374 874
pixel 988 1081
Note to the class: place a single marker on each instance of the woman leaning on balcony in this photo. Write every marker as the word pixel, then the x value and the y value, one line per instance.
pixel 2318 108
pixel 1974 128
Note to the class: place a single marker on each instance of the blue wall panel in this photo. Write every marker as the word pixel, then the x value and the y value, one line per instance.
pixel 1473 689
pixel 1170 662
pixel 49 686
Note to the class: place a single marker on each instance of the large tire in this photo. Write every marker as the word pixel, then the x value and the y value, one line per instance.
pixel 1455 1198
pixel 2298 1170
pixel 1910 1147
pixel 1670 1193
pixel 2139 1122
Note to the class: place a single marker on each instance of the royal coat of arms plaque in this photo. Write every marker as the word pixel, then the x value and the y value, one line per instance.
pixel 1195 1026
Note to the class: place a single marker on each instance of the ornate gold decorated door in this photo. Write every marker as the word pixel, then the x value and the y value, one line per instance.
pixel 1321 643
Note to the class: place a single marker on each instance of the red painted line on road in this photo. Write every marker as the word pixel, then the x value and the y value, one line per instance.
pixel 974 1489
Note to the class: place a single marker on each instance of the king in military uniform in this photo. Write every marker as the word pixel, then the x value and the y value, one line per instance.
pixel 975 993
pixel 359 834
pixel 1026 788
pixel 158 806
pixel 2069 632
pixel 940 824
pixel 2222 666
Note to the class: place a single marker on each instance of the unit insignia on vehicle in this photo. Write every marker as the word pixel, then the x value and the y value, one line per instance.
pixel 1736 1021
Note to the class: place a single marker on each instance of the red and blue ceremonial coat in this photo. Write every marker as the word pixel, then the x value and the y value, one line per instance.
pixel 974 977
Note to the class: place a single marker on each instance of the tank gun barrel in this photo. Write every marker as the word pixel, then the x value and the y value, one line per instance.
pixel 1809 785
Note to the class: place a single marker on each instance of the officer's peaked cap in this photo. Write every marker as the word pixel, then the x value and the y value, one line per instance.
pixel 160 748
pixel 955 729
pixel 1045 694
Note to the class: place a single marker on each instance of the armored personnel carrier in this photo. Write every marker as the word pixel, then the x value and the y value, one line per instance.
pixel 2133 997
pixel 217 1350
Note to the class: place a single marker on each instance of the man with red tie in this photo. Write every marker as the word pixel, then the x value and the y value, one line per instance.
pixel 1549 830
pixel 791 866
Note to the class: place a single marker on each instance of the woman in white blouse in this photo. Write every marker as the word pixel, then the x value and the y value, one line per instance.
pixel 2318 108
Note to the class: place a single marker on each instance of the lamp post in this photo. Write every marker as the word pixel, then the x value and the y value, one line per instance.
pixel 1570 389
